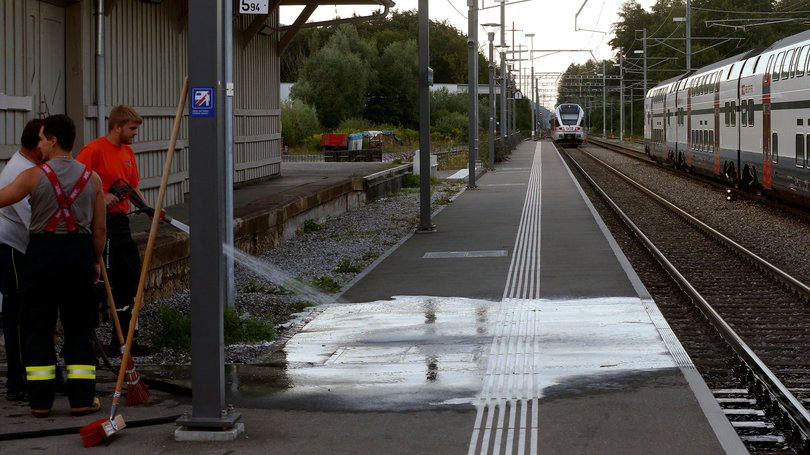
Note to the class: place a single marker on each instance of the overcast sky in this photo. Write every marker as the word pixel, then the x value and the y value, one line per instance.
pixel 552 22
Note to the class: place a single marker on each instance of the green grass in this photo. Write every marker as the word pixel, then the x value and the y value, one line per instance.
pixel 346 266
pixel 299 306
pixel 311 226
pixel 326 284
pixel 410 181
pixel 173 329
pixel 444 200
pixel 370 256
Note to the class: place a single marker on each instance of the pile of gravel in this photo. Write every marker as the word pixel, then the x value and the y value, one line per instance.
pixel 775 235
pixel 354 239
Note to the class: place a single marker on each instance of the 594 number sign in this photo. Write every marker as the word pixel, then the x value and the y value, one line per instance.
pixel 253 6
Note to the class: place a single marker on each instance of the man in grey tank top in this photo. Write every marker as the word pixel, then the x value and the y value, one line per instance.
pixel 67 235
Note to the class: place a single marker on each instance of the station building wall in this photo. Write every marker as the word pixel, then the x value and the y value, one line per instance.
pixel 47 66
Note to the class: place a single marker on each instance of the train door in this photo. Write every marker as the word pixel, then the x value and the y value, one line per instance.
pixel 689 124
pixel 716 142
pixel 664 122
pixel 766 122
pixel 45 57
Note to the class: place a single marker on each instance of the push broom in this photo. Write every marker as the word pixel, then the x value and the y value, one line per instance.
pixel 101 429
pixel 137 392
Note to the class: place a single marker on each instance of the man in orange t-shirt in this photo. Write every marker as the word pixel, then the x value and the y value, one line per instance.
pixel 112 158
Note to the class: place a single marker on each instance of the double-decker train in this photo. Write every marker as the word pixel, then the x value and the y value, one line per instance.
pixel 569 129
pixel 745 120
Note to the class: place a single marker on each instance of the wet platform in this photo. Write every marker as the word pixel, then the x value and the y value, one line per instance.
pixel 517 327
pixel 520 318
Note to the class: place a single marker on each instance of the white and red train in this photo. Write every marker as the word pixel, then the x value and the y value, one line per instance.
pixel 745 119
pixel 569 129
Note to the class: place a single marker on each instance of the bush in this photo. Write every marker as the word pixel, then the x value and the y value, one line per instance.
pixel 452 126
pixel 311 226
pixel 242 329
pixel 353 125
pixel 313 143
pixel 326 284
pixel 410 181
pixel 346 266
pixel 299 121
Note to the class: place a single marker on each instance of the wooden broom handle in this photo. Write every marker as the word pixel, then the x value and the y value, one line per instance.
pixel 178 117
pixel 112 303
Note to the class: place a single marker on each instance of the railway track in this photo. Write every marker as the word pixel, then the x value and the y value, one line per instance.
pixel 753 353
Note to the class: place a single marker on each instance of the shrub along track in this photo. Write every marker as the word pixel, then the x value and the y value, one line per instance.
pixel 764 308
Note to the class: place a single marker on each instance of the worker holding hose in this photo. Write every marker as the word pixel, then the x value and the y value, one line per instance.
pixel 113 159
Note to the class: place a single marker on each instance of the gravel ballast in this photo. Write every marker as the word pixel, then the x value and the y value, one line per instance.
pixel 772 233
pixel 334 251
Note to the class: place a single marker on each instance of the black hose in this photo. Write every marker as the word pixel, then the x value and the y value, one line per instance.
pixel 75 430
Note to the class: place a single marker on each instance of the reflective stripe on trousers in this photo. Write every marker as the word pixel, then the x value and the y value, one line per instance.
pixel 81 372
pixel 40 373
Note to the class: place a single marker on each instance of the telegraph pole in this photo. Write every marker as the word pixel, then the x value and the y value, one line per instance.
pixel 688 36
pixel 425 77
pixel 644 46
pixel 472 89
pixel 621 96
pixel 604 99
pixel 504 120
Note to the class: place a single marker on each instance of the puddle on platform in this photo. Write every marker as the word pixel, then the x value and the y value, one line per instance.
pixel 414 353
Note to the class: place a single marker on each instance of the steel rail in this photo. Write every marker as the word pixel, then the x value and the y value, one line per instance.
pixel 791 407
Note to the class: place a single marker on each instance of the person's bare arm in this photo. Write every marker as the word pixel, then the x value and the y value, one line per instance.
pixel 21 187
pixel 99 224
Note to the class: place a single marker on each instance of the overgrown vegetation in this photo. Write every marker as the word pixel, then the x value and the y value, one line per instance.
pixel 346 266
pixel 326 284
pixel 173 329
pixel 311 226
pixel 300 122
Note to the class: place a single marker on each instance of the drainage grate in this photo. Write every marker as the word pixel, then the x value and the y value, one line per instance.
pixel 465 254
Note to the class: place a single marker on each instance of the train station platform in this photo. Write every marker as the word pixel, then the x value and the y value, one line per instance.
pixel 518 326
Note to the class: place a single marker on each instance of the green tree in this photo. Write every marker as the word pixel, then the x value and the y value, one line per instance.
pixel 336 79
pixel 395 98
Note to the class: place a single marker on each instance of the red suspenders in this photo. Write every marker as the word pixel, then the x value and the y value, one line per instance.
pixel 64 201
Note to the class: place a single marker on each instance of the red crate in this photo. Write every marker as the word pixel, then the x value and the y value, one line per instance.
pixel 333 141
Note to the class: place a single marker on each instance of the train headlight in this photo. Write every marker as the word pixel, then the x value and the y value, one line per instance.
pixel 729 195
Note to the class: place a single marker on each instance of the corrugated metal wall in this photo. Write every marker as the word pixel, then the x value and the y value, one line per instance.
pixel 13 85
pixel 146 60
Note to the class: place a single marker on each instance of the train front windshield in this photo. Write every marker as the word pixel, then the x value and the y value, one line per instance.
pixel 569 115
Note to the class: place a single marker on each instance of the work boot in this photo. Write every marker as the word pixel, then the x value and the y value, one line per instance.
pixel 95 407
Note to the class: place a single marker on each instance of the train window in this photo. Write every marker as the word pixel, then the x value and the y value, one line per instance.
pixel 743 112
pixel 775 147
pixel 750 112
pixel 788 63
pixel 711 140
pixel 777 67
pixel 799 121
pixel 727 115
pixel 733 113
pixel 800 150
pixel 801 61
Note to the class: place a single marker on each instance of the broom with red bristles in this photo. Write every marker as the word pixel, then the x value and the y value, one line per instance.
pixel 101 429
pixel 137 392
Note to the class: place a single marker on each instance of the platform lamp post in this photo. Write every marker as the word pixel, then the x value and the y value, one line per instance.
pixel 491 97
pixel 531 98
pixel 425 81
pixel 472 89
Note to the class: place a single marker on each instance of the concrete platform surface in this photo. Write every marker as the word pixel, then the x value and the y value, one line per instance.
pixel 553 347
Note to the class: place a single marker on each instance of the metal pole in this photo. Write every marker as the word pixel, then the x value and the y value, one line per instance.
pixel 227 26
pixel 491 36
pixel 424 118
pixel 604 99
pixel 644 45
pixel 472 88
pixel 621 96
pixel 631 113
pixel 531 98
pixel 101 108
pixel 504 120
pixel 207 179
pixel 688 36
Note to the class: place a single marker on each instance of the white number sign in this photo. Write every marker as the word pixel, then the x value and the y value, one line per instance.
pixel 253 6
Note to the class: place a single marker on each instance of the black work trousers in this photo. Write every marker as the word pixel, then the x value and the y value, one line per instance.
pixel 123 263
pixel 59 275
pixel 12 263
